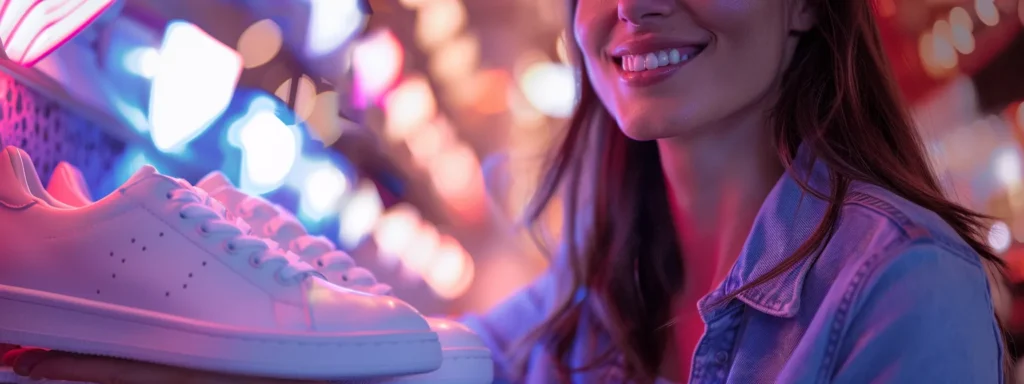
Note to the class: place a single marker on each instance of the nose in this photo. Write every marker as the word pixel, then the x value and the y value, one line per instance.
pixel 637 12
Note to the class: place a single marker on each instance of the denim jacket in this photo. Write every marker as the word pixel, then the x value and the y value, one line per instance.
pixel 896 296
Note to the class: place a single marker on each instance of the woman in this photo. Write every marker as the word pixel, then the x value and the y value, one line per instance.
pixel 747 203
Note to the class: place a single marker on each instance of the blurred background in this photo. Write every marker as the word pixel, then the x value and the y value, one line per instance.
pixel 413 137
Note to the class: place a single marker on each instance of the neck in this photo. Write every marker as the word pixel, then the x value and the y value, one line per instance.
pixel 717 182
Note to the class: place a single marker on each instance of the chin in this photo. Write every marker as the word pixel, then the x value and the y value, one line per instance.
pixel 647 129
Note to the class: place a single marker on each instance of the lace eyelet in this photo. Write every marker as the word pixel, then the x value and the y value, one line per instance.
pixel 281 280
pixel 182 215
pixel 203 231
pixel 230 248
pixel 255 262
pixel 169 196
pixel 344 277
pixel 268 228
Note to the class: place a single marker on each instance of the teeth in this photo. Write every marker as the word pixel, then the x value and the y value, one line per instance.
pixel 644 62
pixel 651 60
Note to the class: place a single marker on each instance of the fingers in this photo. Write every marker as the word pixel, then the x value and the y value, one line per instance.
pixel 4 348
pixel 55 365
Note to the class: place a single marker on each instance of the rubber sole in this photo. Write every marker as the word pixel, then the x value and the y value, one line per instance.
pixel 70 324
pixel 459 366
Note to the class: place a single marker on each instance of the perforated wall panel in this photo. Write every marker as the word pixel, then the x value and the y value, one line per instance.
pixel 51 133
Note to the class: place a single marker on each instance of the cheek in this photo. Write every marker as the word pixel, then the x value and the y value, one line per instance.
pixel 590 36
pixel 746 33
pixel 587 32
pixel 735 16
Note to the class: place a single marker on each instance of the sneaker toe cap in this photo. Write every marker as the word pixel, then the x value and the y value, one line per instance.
pixel 454 335
pixel 337 309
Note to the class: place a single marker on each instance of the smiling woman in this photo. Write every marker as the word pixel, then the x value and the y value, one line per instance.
pixel 760 212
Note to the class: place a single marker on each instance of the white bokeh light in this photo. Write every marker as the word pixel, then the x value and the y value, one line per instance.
pixel 323 190
pixel 331 24
pixel 550 87
pixel 1008 166
pixel 999 237
pixel 360 215
pixel 194 83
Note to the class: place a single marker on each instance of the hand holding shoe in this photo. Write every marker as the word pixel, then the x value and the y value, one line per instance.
pixel 56 365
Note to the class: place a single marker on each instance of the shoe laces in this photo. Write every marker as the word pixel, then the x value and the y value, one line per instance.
pixel 318 251
pixel 214 220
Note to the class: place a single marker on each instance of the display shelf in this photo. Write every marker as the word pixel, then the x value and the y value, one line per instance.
pixel 52 132
pixel 62 110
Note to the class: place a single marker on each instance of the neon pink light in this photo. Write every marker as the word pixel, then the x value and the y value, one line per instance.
pixel 31 29
pixel 377 63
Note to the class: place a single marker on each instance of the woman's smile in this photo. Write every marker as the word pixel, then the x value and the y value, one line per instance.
pixel 647 61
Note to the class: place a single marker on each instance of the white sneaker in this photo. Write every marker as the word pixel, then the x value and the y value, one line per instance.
pixel 154 272
pixel 466 360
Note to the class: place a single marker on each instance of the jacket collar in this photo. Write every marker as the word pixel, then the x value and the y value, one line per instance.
pixel 787 218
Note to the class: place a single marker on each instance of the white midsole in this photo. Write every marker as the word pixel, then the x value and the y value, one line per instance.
pixel 46 320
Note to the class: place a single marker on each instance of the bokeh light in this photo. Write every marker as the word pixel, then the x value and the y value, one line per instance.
pixel 456 59
pixel 323 122
pixel 438 21
pixel 324 189
pixel 259 43
pixel 999 237
pixel 550 87
pixel 987 12
pixel 452 271
pixel 304 101
pixel 1008 166
pixel 143 61
pixel 420 252
pixel 408 106
pixel 359 215
pixel 331 24
pixel 396 230
pixel 377 62
pixel 425 144
pixel 194 84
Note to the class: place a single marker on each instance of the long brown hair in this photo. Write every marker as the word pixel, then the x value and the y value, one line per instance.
pixel 623 264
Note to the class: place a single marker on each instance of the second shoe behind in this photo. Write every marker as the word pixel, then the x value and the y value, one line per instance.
pixel 465 359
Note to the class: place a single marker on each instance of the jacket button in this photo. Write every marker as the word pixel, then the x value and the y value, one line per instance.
pixel 721 357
